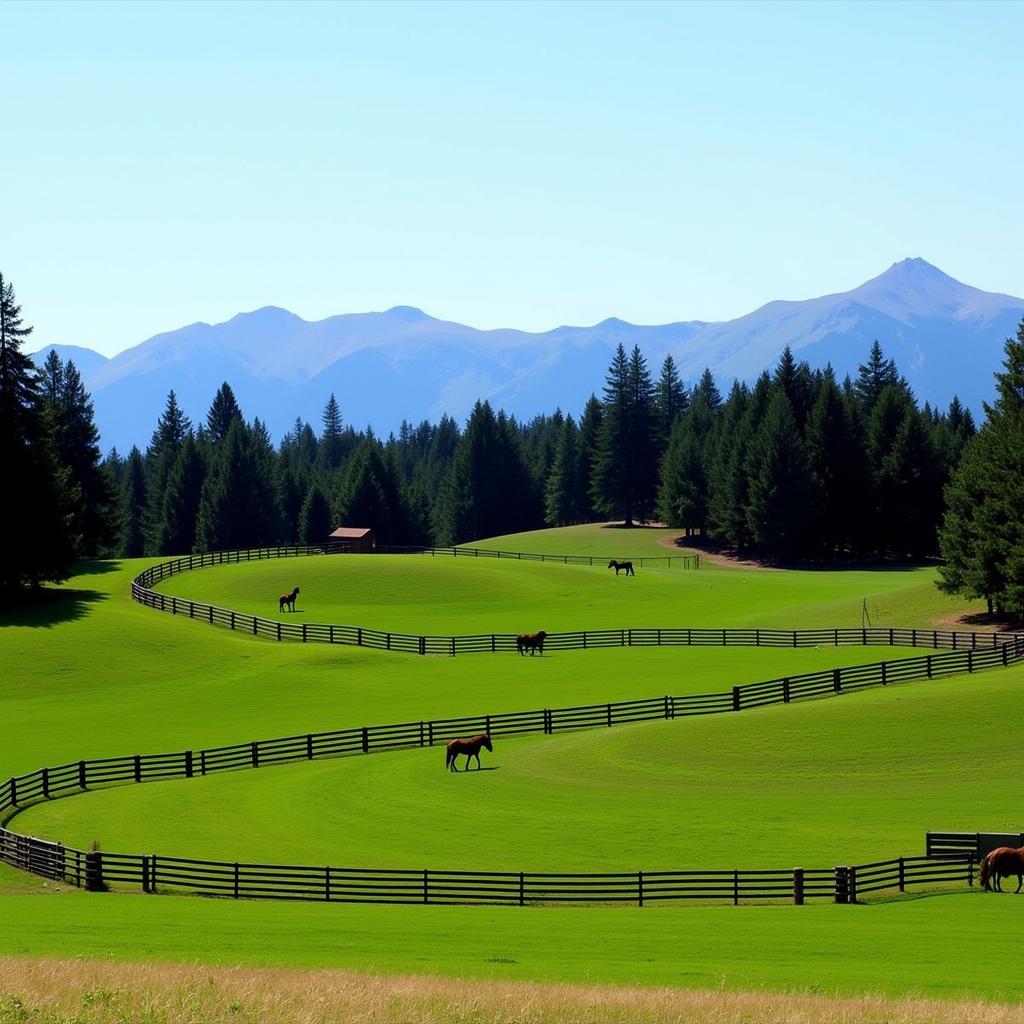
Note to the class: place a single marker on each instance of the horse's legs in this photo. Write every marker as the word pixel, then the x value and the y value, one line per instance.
pixel 1020 882
pixel 478 769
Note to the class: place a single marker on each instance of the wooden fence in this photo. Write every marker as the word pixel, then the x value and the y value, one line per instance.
pixel 1007 646
pixel 842 884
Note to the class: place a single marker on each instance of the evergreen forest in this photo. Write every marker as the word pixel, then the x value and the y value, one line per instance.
pixel 798 467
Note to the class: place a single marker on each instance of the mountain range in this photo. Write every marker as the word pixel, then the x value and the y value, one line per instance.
pixel 945 336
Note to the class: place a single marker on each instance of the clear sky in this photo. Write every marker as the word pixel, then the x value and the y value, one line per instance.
pixel 519 165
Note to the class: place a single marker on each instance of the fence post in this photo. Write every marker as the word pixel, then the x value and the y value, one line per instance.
pixel 14 792
pixel 970 659
pixel 430 734
pixel 640 888
pixel 798 886
pixel 735 888
pixel 279 632
pixel 255 748
pixel 46 783
pixel 309 746
pixel 188 764
pixel 735 698
pixel 609 716
pixel 232 620
pixel 837 685
pixel 453 647
pixel 884 666
pixel 236 880
pixel 423 645
pixel 145 873
pixel 359 636
pixel 928 665
pixel 522 889
pixel 668 707
pixel 851 876
pixel 94 871
pixel 327 884
pixel 785 690
pixel 547 721
pixel 970 869
pixel 138 768
pixel 81 774
pixel 493 643
pixel 840 891
pixel 902 884
pixel 366 740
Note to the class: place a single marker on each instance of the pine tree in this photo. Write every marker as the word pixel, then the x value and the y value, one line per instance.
pixel 982 534
pixel 133 506
pixel 36 517
pixel 874 376
pixel 777 506
pixel 177 528
pixel 371 495
pixel 331 446
pixel 707 389
pixel 565 484
pixel 625 472
pixel 590 432
pixel 238 506
pixel 672 400
pixel 171 430
pixel 838 470
pixel 315 522
pixel 95 516
pixel 223 412
pixel 683 495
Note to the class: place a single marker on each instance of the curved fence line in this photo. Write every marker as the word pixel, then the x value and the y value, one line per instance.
pixel 842 884
pixel 409 643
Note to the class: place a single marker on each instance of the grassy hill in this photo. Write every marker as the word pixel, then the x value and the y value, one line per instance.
pixel 89 673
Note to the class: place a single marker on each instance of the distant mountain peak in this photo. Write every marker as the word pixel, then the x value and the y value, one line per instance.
pixel 410 313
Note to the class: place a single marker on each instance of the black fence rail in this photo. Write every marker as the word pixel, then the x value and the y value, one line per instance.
pixel 100 870
pixel 1008 646
pixel 464 551
pixel 978 844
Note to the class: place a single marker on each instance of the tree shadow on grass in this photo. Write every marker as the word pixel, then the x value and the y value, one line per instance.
pixel 97 567
pixel 48 607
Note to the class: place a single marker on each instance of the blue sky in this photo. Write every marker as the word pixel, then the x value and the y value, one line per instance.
pixel 517 165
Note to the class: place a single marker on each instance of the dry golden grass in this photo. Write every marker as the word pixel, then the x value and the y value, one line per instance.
pixel 90 992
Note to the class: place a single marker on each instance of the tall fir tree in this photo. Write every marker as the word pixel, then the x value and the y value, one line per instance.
pixel 95 515
pixel 672 399
pixel 625 475
pixel 565 484
pixel 331 446
pixel 982 534
pixel 133 506
pixel 180 510
pixel 590 433
pixel 172 428
pixel 36 519
pixel 315 519
pixel 223 412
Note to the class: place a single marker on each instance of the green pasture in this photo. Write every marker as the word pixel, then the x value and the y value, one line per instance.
pixel 846 780
pixel 941 946
pixel 88 673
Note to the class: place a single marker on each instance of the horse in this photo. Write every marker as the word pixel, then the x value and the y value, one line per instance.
pixel 470 747
pixel 530 642
pixel 999 864
pixel 628 566
pixel 287 599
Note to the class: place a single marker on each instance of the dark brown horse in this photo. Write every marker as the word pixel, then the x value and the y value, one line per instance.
pixel 530 642
pixel 999 864
pixel 287 599
pixel 628 566
pixel 470 747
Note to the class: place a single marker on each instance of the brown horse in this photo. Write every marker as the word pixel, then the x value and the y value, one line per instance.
pixel 628 566
pixel 470 747
pixel 999 864
pixel 287 599
pixel 530 642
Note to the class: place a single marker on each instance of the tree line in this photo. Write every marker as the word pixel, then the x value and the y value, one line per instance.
pixel 797 466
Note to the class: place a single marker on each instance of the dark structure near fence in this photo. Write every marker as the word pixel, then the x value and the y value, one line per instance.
pixel 359 540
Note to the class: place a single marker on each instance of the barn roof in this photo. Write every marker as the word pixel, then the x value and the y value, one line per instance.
pixel 351 532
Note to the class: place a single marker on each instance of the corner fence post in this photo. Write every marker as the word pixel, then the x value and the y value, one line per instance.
pixel 94 871
pixel 798 887
pixel 840 892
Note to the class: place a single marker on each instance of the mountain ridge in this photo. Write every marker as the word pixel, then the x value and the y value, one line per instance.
pixel 282 366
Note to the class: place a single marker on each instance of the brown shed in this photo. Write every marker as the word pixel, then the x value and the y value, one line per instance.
pixel 354 538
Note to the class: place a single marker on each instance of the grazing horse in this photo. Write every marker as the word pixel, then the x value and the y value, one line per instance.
pixel 999 864
pixel 530 642
pixel 470 747
pixel 287 599
pixel 628 566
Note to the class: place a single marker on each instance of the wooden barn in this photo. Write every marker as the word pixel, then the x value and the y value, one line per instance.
pixel 359 539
